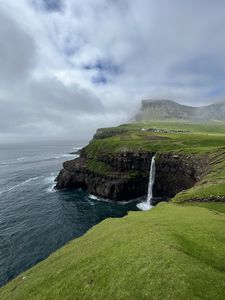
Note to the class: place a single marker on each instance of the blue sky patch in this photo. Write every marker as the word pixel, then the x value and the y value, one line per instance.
pixel 103 66
pixel 105 70
pixel 48 5
pixel 99 79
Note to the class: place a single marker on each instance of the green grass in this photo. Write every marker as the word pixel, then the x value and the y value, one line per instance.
pixel 201 192
pixel 214 206
pixel 216 127
pixel 170 252
pixel 98 167
pixel 102 168
pixel 202 138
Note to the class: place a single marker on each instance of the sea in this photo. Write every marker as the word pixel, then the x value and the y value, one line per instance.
pixel 36 219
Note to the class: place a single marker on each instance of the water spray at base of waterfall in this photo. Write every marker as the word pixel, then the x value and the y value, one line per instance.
pixel 147 204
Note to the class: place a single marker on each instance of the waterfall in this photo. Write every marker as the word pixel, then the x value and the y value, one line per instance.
pixel 147 204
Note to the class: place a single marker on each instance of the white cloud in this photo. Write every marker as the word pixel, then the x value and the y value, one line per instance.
pixel 85 64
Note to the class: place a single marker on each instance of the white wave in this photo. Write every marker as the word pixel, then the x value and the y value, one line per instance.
pixel 31 179
pixel 21 158
pixel 95 198
pixel 38 158
pixel 27 159
pixel 66 155
pixel 13 161
pixel 33 158
pixel 9 162
pixel 51 180
pixel 127 202
pixel 20 184
pixel 51 189
pixel 5 163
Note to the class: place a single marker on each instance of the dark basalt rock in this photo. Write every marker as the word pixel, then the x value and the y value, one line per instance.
pixel 115 186
pixel 129 161
pixel 174 173
pixel 177 172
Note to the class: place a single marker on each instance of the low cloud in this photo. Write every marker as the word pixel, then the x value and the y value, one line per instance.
pixel 68 67
pixel 17 51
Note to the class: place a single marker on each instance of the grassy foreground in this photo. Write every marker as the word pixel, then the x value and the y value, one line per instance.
pixel 169 252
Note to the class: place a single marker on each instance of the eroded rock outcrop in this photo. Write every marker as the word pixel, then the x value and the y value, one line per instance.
pixel 128 175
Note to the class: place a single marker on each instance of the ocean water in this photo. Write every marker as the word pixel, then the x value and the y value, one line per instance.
pixel 35 219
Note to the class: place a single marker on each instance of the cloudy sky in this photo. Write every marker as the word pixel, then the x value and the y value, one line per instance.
pixel 68 67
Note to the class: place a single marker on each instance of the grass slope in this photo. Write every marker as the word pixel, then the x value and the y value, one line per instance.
pixel 170 252
pixel 211 186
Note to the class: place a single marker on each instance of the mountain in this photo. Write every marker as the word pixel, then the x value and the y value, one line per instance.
pixel 168 109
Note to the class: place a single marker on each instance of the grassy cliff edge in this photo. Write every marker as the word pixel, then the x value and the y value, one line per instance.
pixel 170 252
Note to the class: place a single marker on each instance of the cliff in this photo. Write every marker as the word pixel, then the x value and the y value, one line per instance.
pixel 128 174
pixel 115 164
pixel 171 110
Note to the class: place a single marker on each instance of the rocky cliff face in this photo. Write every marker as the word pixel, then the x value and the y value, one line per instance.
pixel 118 184
pixel 129 161
pixel 177 172
pixel 129 174
pixel 163 110
pixel 169 110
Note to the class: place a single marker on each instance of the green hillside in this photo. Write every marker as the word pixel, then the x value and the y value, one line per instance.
pixel 195 138
pixel 169 252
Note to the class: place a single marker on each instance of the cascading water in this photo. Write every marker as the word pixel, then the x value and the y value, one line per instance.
pixel 147 204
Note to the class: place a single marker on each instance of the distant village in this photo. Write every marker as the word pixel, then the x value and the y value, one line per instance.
pixel 158 130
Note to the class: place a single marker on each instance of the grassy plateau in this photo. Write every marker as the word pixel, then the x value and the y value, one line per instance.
pixel 194 139
pixel 174 251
